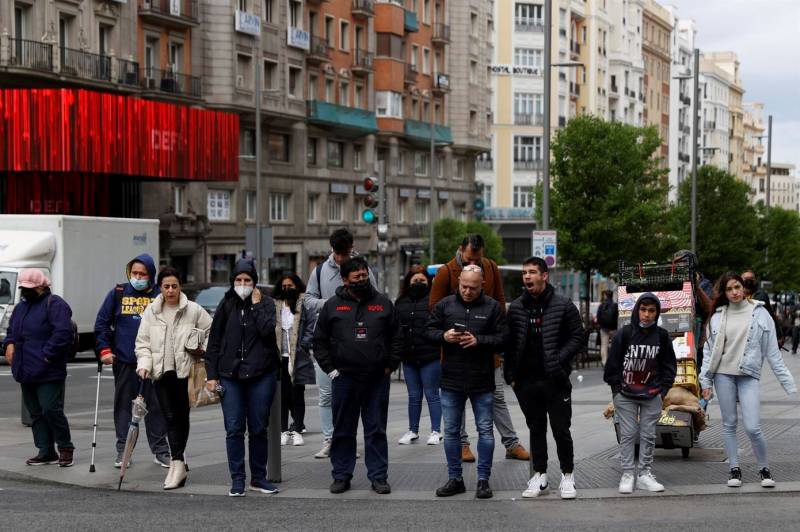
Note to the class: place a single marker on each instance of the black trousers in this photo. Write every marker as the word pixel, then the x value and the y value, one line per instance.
pixel 539 401
pixel 126 385
pixel 173 397
pixel 292 399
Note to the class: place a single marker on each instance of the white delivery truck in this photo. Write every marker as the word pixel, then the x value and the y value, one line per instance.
pixel 84 257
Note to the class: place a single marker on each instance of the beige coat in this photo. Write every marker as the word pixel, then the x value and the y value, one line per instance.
pixel 293 333
pixel 153 329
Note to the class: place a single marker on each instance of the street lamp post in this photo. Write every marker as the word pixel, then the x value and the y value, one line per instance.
pixel 695 76
pixel 769 158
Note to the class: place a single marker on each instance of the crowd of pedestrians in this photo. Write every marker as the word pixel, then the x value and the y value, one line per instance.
pixel 453 336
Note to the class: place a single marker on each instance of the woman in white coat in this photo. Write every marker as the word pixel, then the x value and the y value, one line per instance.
pixel 161 356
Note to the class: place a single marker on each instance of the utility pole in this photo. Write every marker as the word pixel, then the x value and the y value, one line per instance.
pixel 695 128
pixel 383 227
pixel 548 44
pixel 769 159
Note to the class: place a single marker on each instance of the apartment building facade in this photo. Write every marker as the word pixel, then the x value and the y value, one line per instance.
pixel 681 102
pixel 656 54
pixel 783 186
pixel 722 113
pixel 626 64
pixel 754 163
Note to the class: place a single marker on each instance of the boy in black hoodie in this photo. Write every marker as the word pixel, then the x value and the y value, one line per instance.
pixel 640 370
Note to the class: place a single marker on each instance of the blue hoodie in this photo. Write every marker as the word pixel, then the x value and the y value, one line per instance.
pixel 116 325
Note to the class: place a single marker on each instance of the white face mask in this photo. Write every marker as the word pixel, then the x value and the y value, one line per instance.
pixel 243 291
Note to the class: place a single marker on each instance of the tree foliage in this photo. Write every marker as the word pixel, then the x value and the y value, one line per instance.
pixel 779 248
pixel 449 233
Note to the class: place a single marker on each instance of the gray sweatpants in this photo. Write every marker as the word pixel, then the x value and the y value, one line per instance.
pixel 637 418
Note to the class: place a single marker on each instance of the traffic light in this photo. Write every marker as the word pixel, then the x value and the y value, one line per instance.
pixel 478 204
pixel 371 200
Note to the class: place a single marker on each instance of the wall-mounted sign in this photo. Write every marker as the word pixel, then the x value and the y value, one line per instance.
pixel 247 23
pixel 298 38
pixel 511 70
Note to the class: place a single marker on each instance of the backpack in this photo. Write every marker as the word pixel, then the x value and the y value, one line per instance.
pixel 605 316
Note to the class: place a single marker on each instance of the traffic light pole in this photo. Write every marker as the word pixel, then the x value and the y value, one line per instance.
pixel 382 223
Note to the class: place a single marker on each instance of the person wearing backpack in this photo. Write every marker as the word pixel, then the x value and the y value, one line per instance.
pixel 640 371
pixel 607 317
pixel 38 340
pixel 115 330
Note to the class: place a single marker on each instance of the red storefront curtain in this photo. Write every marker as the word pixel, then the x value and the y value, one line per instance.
pixel 83 132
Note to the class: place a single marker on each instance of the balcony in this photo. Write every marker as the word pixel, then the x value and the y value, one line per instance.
pixel 529 26
pixel 574 89
pixel 484 164
pixel 410 22
pixel 362 61
pixel 363 8
pixel 441 83
pixel 176 13
pixel 411 74
pixel 319 50
pixel 441 33
pixel 85 65
pixel 528 119
pixel 171 82
pixel 614 90
pixel 419 133
pixel 575 48
pixel 350 122
pixel 533 164
pixel 687 100
pixel 33 55
pixel 127 72
pixel 710 124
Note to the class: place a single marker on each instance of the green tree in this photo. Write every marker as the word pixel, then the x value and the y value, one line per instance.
pixel 780 242
pixel 609 195
pixel 449 233
pixel 727 224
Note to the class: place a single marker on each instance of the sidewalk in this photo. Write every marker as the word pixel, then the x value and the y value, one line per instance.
pixel 415 471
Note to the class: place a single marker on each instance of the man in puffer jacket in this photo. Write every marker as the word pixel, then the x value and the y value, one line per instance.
pixel 546 335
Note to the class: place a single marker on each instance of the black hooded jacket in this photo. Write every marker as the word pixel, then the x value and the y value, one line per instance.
pixel 242 342
pixel 641 362
pixel 359 338
pixel 413 315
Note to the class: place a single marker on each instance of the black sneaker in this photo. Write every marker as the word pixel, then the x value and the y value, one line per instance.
pixel 766 478
pixel 735 478
pixel 340 486
pixel 454 486
pixel 381 487
pixel 483 491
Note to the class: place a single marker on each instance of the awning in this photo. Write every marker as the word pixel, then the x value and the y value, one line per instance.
pixel 418 132
pixel 342 120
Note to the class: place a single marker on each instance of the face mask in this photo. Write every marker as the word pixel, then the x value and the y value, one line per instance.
pixel 417 290
pixel 646 325
pixel 29 294
pixel 750 285
pixel 290 294
pixel 243 291
pixel 140 284
pixel 361 289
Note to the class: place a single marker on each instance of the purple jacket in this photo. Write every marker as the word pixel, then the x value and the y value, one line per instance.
pixel 41 331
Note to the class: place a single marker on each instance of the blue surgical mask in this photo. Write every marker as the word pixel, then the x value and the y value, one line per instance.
pixel 140 284
pixel 646 325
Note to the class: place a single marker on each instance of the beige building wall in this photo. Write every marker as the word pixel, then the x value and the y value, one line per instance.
pixel 722 113
pixel 657 29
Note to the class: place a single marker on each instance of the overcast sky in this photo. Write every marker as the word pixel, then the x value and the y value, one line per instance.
pixel 765 34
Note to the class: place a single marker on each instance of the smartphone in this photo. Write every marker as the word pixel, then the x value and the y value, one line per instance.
pixel 460 328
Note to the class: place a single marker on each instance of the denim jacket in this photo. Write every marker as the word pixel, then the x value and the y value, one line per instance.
pixel 761 343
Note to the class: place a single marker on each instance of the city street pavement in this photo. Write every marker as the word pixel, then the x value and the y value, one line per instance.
pixel 415 471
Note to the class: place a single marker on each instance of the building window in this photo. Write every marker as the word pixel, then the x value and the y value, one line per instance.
pixel 344 36
pixel 329 21
pixel 269 11
pixel 359 96
pixel 179 196
pixel 248 143
pixel 311 151
pixel 473 24
pixel 335 154
pixel 523 197
pixel 295 83
pixel 295 14
pixel 426 11
pixel 402 207
pixel 279 147
pixel 401 162
pixel 527 103
pixel 250 206
pixel 329 90
pixel 313 85
pixel 426 61
pixel 421 163
pixel 527 148
pixel 389 104
pixel 461 212
pixel 487 195
pixel 358 152
pixel 312 208
pixel 473 71
pixel 422 211
pixel 219 205
pixel 344 93
pixel 390 45
pixel 459 169
pixel 279 207
pixel 335 208
pixel 473 122
pixel 440 166
pixel 412 60
pixel 528 57
pixel 243 70
pixel 529 15
pixel 270 75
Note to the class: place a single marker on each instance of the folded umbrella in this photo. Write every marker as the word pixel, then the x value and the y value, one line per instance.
pixel 139 410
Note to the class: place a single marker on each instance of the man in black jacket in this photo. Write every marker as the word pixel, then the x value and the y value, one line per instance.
pixel 470 327
pixel 357 344
pixel 546 335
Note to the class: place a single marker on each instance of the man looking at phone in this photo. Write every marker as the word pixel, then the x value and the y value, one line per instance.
pixel 471 327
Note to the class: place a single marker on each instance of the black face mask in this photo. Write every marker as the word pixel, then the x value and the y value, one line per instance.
pixel 29 294
pixel 417 290
pixel 750 285
pixel 290 294
pixel 360 289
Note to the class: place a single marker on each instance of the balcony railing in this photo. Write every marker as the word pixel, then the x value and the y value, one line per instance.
pixel 574 89
pixel 319 49
pixel 441 82
pixel 528 119
pixel 31 54
pixel 411 73
pixel 362 60
pixel 85 64
pixel 574 47
pixel 710 124
pixel 614 89
pixel 186 10
pixel 533 164
pixel 441 33
pixel 127 72
pixel 172 82
pixel 484 164
pixel 365 8
pixel 528 25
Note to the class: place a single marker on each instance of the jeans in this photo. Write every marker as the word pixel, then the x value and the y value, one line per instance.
pixel 423 378
pixel 453 403
pixel 246 405
pixel 325 410
pixel 538 401
pixel 728 388
pixel 45 402
pixel 173 397
pixel 126 386
pixel 369 399
pixel 502 418
pixel 292 399
pixel 637 418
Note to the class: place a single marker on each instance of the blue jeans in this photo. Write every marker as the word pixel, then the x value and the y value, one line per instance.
pixel 728 388
pixel 369 399
pixel 419 378
pixel 245 406
pixel 453 412
pixel 325 410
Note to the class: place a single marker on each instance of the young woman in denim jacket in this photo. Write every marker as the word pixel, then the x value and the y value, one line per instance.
pixel 741 335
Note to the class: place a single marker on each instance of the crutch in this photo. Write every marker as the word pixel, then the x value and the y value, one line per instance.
pixel 96 408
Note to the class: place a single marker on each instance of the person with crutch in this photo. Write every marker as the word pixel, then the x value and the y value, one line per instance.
pixel 115 328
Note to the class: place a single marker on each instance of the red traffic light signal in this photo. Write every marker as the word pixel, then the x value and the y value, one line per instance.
pixel 371 184
pixel 370 201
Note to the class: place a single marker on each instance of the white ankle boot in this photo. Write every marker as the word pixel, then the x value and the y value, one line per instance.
pixel 176 478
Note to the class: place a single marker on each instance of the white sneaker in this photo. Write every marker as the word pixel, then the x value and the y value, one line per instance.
pixel 648 482
pixel 325 452
pixel 537 485
pixel 408 437
pixel 297 439
pixel 285 438
pixel 567 486
pixel 626 483
pixel 435 438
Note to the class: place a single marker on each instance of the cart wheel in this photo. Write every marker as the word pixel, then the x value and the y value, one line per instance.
pixel 685 452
